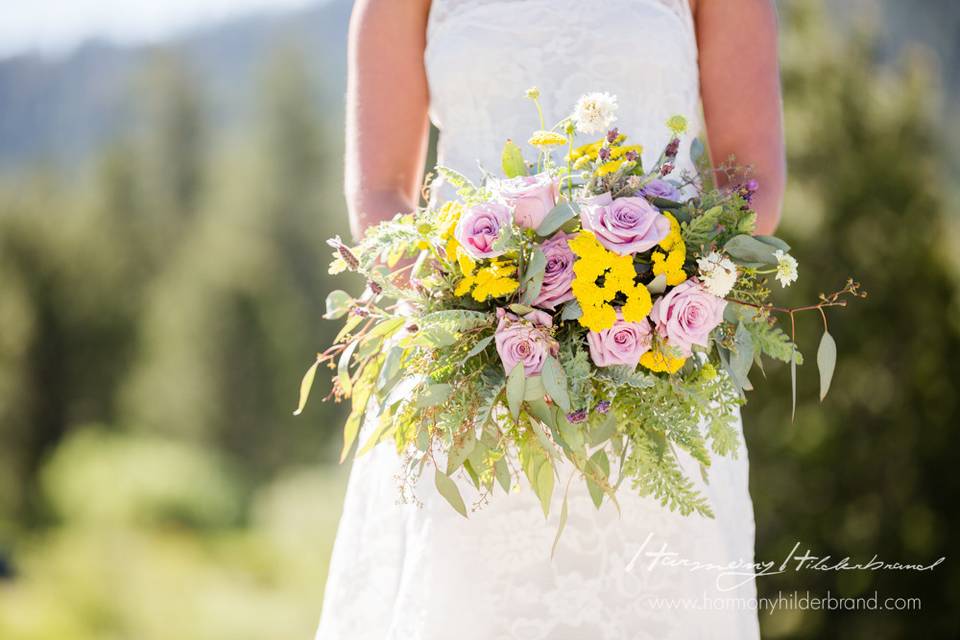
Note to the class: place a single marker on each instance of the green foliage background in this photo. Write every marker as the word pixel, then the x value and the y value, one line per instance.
pixel 159 303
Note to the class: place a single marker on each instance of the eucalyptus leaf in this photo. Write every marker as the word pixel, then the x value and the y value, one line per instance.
pixel 544 488
pixel 603 431
pixel 306 384
pixel 533 276
pixel 512 160
pixel 391 367
pixel 774 242
pixel 434 395
pixel 534 389
pixel 741 360
pixel 338 304
pixel 601 463
pixel 516 385
pixel 556 218
pixel 563 522
pixel 826 362
pixel 793 386
pixel 448 489
pixel 571 311
pixel 343 368
pixel 555 382
pixel 478 348
pixel 462 449
pixel 749 251
pixel 696 149
pixel 658 284
pixel 502 472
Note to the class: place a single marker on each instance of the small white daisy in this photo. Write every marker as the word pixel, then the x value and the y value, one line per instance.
pixel 786 268
pixel 718 273
pixel 595 112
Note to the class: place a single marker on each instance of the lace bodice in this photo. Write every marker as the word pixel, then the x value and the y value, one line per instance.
pixel 422 572
pixel 482 55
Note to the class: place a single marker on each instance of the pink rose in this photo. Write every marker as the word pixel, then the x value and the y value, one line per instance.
pixel 530 197
pixel 621 344
pixel 687 314
pixel 479 228
pixel 558 274
pixel 524 340
pixel 625 225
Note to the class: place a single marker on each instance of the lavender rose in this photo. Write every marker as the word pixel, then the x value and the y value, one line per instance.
pixel 480 227
pixel 558 274
pixel 658 188
pixel 625 225
pixel 621 344
pixel 524 340
pixel 530 197
pixel 687 314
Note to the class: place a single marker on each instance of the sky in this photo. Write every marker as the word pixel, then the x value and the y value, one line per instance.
pixel 55 26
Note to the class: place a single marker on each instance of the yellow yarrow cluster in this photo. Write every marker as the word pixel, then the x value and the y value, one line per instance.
pixel 547 139
pixel 670 263
pixel 449 216
pixel 677 124
pixel 594 261
pixel 657 360
pixel 492 281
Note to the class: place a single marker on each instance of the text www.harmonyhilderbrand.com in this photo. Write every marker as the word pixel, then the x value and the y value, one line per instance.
pixel 797 600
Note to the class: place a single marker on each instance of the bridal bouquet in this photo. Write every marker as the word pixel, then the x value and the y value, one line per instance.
pixel 580 307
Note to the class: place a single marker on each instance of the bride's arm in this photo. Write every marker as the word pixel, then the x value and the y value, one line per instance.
pixel 740 85
pixel 386 115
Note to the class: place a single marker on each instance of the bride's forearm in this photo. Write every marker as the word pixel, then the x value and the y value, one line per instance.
pixel 369 207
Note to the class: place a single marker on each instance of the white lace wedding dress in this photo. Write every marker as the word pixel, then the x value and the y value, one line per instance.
pixel 407 572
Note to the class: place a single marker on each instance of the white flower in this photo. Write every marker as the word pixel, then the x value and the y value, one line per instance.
pixel 786 268
pixel 595 112
pixel 718 273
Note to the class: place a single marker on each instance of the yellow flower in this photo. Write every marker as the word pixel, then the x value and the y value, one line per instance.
pixel 619 275
pixel 493 281
pixel 656 360
pixel 591 149
pixel 609 167
pixel 670 264
pixel 619 152
pixel 677 124
pixel 547 139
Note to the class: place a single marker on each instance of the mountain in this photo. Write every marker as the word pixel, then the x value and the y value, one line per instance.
pixel 56 111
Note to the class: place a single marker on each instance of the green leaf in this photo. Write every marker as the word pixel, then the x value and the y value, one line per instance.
pixel 516 385
pixel 602 464
pixel 350 430
pixel 826 362
pixel 571 311
pixel 460 182
pixel 461 449
pixel 606 428
pixel 478 348
pixel 391 367
pixel 571 435
pixel 352 323
pixel 533 277
pixel 749 251
pixel 448 489
pixel 305 385
pixel 555 382
pixel 774 242
pixel 696 149
pixel 539 410
pixel 338 303
pixel 512 160
pixel 502 471
pixel 520 309
pixel 434 395
pixel 545 481
pixel 343 368
pixel 793 388
pixel 533 388
pixel 741 360
pixel 563 522
pixel 556 218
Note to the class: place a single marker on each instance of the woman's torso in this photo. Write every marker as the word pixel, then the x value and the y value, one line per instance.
pixel 482 55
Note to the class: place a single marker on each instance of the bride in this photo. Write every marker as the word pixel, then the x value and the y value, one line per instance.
pixel 416 570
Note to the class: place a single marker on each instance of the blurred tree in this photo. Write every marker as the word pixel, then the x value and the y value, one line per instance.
pixel 872 470
pixel 235 318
